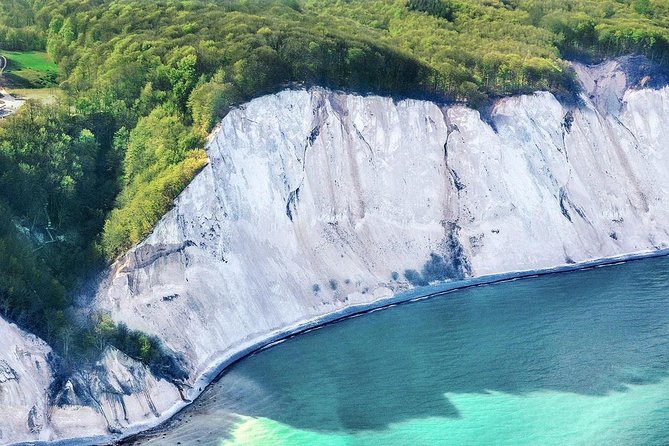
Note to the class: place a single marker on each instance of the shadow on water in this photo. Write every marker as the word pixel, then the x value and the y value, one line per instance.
pixel 588 332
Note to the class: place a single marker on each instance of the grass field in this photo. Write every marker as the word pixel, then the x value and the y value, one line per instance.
pixel 29 69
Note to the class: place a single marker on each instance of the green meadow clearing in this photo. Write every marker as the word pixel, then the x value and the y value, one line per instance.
pixel 29 69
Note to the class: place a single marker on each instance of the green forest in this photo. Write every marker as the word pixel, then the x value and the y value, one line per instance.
pixel 144 81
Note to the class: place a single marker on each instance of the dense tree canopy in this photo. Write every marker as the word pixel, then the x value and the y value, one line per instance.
pixel 146 80
pixel 18 28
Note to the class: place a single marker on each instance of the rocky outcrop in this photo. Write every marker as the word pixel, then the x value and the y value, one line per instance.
pixel 105 399
pixel 25 376
pixel 315 202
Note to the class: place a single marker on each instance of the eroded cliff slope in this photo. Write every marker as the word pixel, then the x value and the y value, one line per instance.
pixel 25 376
pixel 315 201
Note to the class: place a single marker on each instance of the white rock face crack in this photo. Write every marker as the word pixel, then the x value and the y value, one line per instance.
pixel 314 201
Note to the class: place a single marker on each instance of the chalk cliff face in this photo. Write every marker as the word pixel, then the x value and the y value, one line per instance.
pixel 316 201
pixel 25 375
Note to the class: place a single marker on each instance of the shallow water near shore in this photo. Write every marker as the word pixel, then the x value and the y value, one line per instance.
pixel 571 358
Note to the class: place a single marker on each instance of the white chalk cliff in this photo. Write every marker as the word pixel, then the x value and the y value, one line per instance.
pixel 315 201
pixel 25 376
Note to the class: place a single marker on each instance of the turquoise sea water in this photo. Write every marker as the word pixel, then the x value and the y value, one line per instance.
pixel 576 358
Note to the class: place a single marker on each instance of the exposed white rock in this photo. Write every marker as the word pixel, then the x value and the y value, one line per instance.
pixel 117 391
pixel 316 201
pixel 25 375
pixel 8 103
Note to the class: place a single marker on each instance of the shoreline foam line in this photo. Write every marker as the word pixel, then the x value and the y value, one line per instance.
pixel 237 353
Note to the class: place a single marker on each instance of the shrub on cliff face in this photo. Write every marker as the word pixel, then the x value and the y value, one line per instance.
pixel 139 346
